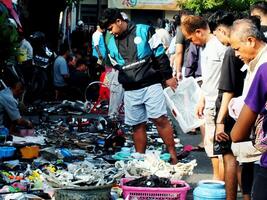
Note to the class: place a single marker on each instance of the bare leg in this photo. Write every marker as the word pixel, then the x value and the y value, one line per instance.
pixel 215 168
pixel 221 168
pixel 239 170
pixel 230 171
pixel 166 133
pixel 139 137
pixel 202 131
pixel 218 168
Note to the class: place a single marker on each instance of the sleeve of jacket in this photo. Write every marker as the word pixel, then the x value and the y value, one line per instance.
pixel 163 63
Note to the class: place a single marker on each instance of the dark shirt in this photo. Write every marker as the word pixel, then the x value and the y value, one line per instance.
pixel 232 78
pixel 180 39
pixel 192 65
pixel 78 39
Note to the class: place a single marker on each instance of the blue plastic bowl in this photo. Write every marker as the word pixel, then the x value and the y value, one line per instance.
pixel 7 152
pixel 4 132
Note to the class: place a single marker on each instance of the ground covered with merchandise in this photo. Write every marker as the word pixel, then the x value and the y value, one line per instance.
pixel 90 156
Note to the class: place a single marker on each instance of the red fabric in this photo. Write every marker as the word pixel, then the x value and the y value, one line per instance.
pixel 12 12
pixel 103 90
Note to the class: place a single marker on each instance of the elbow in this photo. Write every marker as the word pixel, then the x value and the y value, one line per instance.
pixel 238 136
pixel 235 139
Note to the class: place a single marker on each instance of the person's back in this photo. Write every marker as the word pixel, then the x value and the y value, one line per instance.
pixel 181 45
pixel 98 42
pixel 60 69
pixel 8 113
pixel 26 50
pixel 164 36
pixel 78 37
pixel 192 64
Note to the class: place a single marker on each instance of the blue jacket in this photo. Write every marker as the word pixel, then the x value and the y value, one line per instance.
pixel 139 56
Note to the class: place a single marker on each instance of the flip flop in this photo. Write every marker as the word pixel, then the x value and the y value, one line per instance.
pixel 192 133
pixel 198 148
pixel 193 148
pixel 185 152
pixel 182 154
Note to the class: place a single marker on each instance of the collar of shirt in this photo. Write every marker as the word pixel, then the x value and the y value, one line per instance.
pixel 252 65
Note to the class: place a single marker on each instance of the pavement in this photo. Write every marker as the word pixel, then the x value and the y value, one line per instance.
pixel 203 170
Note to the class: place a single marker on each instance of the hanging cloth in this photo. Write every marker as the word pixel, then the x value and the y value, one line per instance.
pixel 8 4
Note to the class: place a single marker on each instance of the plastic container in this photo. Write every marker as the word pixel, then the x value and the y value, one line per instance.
pixel 30 152
pixel 210 190
pixel 7 152
pixel 182 103
pixel 65 152
pixel 4 132
pixel 146 193
pixel 85 193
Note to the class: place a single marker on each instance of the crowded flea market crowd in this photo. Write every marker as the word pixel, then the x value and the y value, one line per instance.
pixel 96 118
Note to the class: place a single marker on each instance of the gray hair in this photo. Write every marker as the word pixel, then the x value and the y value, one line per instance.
pixel 243 28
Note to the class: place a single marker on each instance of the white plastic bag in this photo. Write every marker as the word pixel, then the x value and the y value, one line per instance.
pixel 116 93
pixel 182 103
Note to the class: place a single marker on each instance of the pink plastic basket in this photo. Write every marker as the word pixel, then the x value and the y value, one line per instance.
pixel 144 193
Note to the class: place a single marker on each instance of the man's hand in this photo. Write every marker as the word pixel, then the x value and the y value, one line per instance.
pixel 179 76
pixel 172 82
pixel 220 135
pixel 200 108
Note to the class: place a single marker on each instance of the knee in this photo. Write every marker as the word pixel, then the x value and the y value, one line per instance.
pixel 161 121
pixel 139 127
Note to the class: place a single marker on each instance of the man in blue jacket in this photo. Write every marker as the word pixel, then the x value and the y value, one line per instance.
pixel 138 54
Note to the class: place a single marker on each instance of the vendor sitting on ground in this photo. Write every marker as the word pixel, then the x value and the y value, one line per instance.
pixel 9 112
pixel 79 79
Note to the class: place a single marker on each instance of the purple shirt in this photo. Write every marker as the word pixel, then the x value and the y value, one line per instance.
pixel 257 98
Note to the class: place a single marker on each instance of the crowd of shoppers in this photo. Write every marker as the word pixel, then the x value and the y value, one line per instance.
pixel 225 52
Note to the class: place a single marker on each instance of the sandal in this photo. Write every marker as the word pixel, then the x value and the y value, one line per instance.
pixel 192 133
pixel 198 148
pixel 192 148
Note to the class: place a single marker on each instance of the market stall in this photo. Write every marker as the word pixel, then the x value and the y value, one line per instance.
pixel 72 153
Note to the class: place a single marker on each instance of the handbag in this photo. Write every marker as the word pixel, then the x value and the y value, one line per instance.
pixel 260 134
